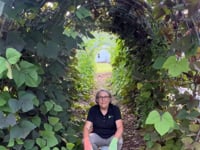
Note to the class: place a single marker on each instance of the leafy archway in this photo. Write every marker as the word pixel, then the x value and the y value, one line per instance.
pixel 38 44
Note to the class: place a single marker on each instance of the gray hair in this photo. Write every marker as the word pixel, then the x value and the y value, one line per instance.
pixel 102 90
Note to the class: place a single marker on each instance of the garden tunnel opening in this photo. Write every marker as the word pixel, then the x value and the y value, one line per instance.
pixel 103 56
pixel 138 37
pixel 38 39
pixel 103 79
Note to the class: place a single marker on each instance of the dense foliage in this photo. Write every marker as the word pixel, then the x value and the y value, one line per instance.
pixel 86 68
pixel 159 62
pixel 158 53
pixel 37 92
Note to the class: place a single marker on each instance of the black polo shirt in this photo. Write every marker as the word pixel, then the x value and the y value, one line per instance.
pixel 104 125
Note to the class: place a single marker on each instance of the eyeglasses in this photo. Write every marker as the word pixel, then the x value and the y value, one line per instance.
pixel 103 97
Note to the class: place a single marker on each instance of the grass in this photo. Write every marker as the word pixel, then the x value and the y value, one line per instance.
pixel 103 67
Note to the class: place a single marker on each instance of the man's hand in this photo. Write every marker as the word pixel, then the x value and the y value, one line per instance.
pixel 113 144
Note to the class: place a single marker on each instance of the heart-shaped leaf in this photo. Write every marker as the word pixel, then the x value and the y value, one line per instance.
pixel 187 140
pixel 176 67
pixel 12 55
pixel 167 117
pixel 70 146
pixel 6 121
pixel 14 105
pixel 161 127
pixel 36 120
pixel 49 136
pixel 4 97
pixel 162 123
pixel 165 124
pixel 3 148
pixel 11 120
pixel 28 144
pixel 153 117
pixel 53 120
pixel 26 101
pixel 19 77
pixel 22 129
pixel 49 105
pixel 41 142
pixel 2 102
pixel 31 77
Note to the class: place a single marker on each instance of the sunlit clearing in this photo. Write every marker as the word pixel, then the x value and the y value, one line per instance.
pixel 103 67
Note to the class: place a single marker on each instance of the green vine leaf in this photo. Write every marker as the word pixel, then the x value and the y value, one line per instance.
pixel 45 148
pixel 194 127
pixel 4 97
pixel 32 79
pixel 11 119
pixel 2 102
pixel 58 126
pixel 70 146
pixel 19 77
pixel 36 120
pixel 50 138
pixel 6 121
pixel 57 108
pixel 176 67
pixel 53 120
pixel 49 105
pixel 48 127
pixel 19 141
pixel 27 74
pixel 165 124
pixel 14 105
pixel 49 50
pixel 26 100
pixel 28 144
pixel 26 103
pixel 167 117
pixel 187 140
pixel 162 123
pixel 153 117
pixel 70 33
pixel 41 142
pixel 3 148
pixel 12 55
pixel 182 114
pixel 11 143
pixel 22 129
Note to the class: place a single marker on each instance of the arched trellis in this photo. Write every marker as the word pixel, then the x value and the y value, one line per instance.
pixel 130 19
